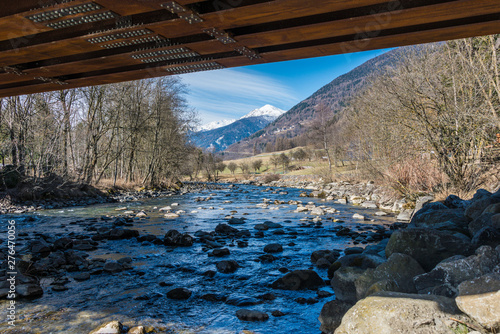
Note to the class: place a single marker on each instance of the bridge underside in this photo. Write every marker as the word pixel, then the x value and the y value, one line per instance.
pixel 52 45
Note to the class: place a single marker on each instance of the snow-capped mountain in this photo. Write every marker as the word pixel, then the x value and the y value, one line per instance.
pixel 215 125
pixel 220 136
pixel 267 111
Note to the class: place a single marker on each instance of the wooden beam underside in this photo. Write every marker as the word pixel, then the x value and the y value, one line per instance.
pixel 78 43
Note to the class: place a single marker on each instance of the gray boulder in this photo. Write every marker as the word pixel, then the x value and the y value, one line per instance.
pixel 448 274
pixel 394 312
pixel 344 283
pixel 484 220
pixel 331 315
pixel 480 299
pixel 397 275
pixel 427 246
pixel 477 207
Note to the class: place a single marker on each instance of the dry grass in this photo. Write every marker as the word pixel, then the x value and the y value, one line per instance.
pixel 121 184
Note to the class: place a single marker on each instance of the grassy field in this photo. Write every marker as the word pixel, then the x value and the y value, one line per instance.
pixel 304 167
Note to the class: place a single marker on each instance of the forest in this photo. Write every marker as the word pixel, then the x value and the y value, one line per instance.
pixel 133 132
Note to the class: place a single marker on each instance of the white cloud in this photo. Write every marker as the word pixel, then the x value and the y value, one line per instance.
pixel 232 93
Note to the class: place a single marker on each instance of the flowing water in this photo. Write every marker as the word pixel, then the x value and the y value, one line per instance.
pixel 136 297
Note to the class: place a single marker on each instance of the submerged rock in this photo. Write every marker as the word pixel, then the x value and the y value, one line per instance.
pixel 179 294
pixel 251 315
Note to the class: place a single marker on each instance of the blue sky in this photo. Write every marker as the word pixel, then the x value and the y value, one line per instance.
pixel 232 93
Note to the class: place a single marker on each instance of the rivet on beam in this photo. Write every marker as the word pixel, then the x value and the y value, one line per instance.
pixel 173 7
pixel 247 52
pixel 221 36
pixel 13 70
pixel 51 80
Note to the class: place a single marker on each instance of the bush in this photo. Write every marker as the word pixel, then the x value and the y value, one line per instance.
pixel 271 177
pixel 9 177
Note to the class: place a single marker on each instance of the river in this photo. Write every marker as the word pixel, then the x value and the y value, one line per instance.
pixel 135 296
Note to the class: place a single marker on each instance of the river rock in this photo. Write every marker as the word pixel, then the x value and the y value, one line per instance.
pixel 397 273
pixel 487 236
pixel 427 246
pixel 330 255
pixel 40 246
pixel 358 216
pixel 394 312
pixel 251 315
pixel 343 283
pixel 220 252
pixel 455 202
pixel 227 267
pixel 478 206
pixel 175 238
pixel 81 277
pixel 179 294
pixel 30 290
pixel 484 220
pixel 122 233
pixel 225 229
pixel 261 227
pixel 113 327
pixel 242 300
pixel 63 243
pixel 331 315
pixel 449 219
pixel 137 330
pixel 299 280
pixel 273 248
pixel 113 267
pixel 480 299
pixel 236 221
pixel 272 225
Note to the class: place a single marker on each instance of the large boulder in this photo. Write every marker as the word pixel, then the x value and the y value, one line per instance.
pixel 299 280
pixel 331 315
pixel 477 207
pixel 480 299
pixel 446 220
pixel 487 236
pixel 458 269
pixel 484 220
pixel 397 275
pixel 175 238
pixel 394 312
pixel 428 246
pixel 344 283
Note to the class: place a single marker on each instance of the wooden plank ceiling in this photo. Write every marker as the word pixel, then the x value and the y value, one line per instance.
pixel 51 45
